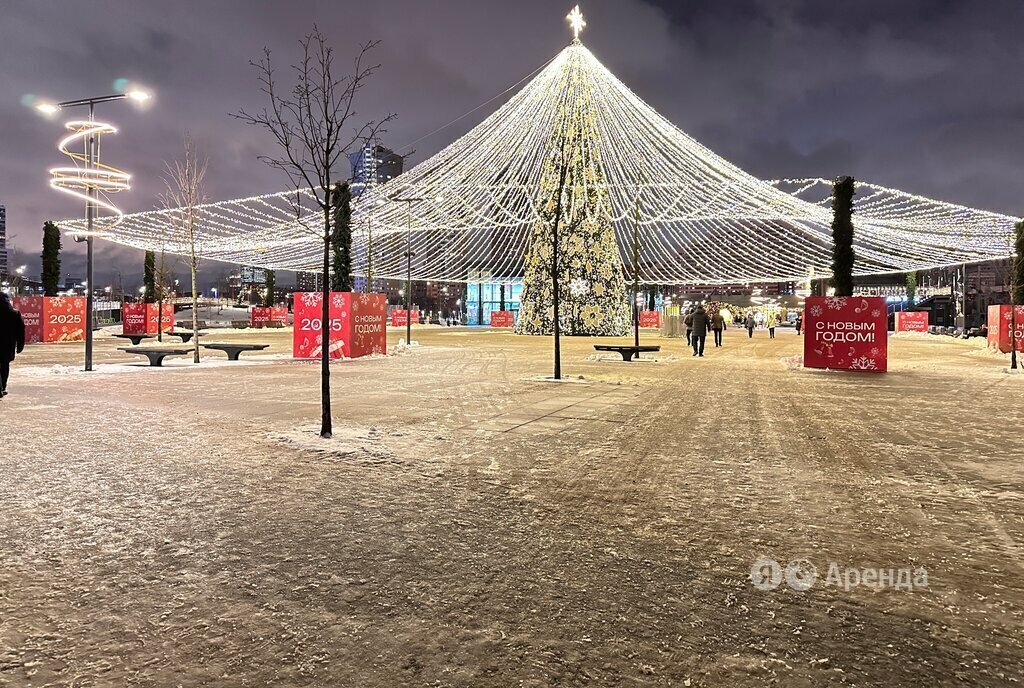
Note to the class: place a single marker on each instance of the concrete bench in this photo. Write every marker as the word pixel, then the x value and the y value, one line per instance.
pixel 185 335
pixel 136 339
pixel 156 355
pixel 628 352
pixel 234 350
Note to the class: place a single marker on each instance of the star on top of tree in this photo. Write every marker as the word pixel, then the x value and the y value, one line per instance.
pixel 576 22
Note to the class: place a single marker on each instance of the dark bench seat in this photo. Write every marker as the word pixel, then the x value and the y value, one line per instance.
pixel 185 335
pixel 135 338
pixel 628 352
pixel 233 350
pixel 156 355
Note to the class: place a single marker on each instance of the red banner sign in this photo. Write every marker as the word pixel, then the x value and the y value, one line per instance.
pixel 503 319
pixel 398 318
pixel 263 316
pixel 356 325
pixel 64 319
pixel 259 316
pixel 52 318
pixel 846 333
pixel 650 318
pixel 31 309
pixel 133 318
pixel 307 337
pixel 912 321
pixel 141 318
pixel 369 320
pixel 153 321
pixel 1000 322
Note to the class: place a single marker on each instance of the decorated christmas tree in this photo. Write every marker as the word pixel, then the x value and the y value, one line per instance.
pixel 574 199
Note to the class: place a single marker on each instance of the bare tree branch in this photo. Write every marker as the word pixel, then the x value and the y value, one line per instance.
pixel 307 124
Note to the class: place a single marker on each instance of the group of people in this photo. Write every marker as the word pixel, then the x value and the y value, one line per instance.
pixel 699 322
pixel 12 339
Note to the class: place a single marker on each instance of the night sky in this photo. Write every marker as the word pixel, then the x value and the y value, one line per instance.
pixel 923 95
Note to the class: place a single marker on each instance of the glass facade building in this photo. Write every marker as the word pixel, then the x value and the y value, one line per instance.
pixel 482 298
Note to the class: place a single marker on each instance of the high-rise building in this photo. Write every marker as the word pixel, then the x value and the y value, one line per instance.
pixel 308 281
pixel 5 267
pixel 374 164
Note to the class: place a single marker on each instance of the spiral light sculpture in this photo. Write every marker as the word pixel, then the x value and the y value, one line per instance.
pixel 78 180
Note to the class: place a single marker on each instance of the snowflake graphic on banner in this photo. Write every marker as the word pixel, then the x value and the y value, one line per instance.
pixel 876 313
pixel 57 301
pixel 835 302
pixel 875 351
pixel 312 298
pixel 862 363
pixel 816 311
pixel 338 300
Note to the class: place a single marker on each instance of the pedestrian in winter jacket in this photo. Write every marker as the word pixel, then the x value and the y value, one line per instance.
pixel 772 322
pixel 12 339
pixel 701 322
pixel 751 324
pixel 717 325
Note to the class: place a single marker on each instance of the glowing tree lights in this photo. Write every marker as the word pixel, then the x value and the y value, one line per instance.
pixel 574 204
pixel 702 220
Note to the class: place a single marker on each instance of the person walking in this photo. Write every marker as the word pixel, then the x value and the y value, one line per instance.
pixel 772 322
pixel 701 323
pixel 717 326
pixel 12 339
pixel 799 322
pixel 688 321
pixel 751 324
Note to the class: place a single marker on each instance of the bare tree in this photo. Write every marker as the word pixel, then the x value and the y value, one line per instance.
pixel 162 277
pixel 184 192
pixel 312 126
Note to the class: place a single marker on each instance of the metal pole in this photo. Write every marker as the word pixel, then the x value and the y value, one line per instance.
pixel 408 273
pixel 636 275
pixel 90 212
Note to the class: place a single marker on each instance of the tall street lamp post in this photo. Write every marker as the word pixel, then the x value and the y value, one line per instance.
pixel 91 181
pixel 408 260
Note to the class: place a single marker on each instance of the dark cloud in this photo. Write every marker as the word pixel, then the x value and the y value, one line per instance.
pixel 923 95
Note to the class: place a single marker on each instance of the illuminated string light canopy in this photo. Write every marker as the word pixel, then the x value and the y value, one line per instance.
pixel 700 219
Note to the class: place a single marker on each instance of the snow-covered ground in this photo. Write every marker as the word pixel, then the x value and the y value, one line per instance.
pixel 470 525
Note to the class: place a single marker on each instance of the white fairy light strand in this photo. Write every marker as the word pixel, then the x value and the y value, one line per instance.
pixel 702 219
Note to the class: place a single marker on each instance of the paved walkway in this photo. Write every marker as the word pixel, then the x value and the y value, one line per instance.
pixel 474 527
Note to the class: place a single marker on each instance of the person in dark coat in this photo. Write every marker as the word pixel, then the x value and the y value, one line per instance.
pixel 688 322
pixel 701 323
pixel 717 325
pixel 751 324
pixel 799 322
pixel 12 339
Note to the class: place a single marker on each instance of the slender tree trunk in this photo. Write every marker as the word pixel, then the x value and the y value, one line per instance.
pixel 326 429
pixel 160 318
pixel 369 256
pixel 1013 334
pixel 195 306
pixel 554 286
pixel 563 175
